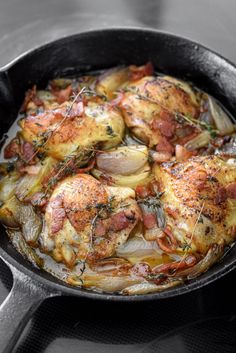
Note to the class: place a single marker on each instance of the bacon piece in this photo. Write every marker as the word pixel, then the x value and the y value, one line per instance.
pixel 31 96
pixel 62 95
pixel 171 267
pixel 164 146
pixel 165 124
pixel 58 215
pixel 149 220
pixel 27 152
pixel 166 241
pixel 12 149
pixel 174 213
pixel 119 221
pixel 138 72
pixel 143 191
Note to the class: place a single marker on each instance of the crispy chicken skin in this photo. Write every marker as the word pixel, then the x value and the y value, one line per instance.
pixel 59 133
pixel 86 220
pixel 149 107
pixel 197 200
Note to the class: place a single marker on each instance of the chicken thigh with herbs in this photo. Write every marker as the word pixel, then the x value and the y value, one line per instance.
pixel 86 220
pixel 199 201
pixel 65 131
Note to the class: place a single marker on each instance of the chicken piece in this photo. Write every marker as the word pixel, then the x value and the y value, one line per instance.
pixel 86 220
pixel 62 131
pixel 199 201
pixel 149 107
pixel 114 79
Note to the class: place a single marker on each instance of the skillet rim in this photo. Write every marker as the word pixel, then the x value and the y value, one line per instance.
pixel 60 286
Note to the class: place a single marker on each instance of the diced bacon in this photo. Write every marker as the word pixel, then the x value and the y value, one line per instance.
pixel 172 212
pixel 12 149
pixel 27 151
pixel 63 95
pixel 165 124
pixel 164 146
pixel 149 220
pixel 143 191
pixel 231 190
pixel 119 222
pixel 138 72
pixel 58 215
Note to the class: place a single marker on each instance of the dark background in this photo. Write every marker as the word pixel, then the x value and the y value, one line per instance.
pixel 203 321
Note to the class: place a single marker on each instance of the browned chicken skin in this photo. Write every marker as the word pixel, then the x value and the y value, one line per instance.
pixel 61 132
pixel 86 220
pixel 150 106
pixel 198 204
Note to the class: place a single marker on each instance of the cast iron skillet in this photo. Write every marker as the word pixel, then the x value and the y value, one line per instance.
pixel 70 56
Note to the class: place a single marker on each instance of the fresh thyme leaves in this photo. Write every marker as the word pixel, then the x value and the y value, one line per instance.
pixel 196 123
pixel 178 116
pixel 45 136
pixel 153 204
pixel 70 166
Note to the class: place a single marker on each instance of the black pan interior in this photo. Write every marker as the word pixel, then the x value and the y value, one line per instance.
pixel 102 49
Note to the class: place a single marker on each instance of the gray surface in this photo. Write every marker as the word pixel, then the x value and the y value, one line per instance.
pixel 28 23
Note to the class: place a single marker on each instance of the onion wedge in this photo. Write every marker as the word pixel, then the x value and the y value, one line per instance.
pixel 146 287
pixel 213 255
pixel 124 160
pixel 221 119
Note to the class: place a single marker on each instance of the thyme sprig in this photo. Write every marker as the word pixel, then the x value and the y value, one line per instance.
pixel 153 204
pixel 47 134
pixel 178 116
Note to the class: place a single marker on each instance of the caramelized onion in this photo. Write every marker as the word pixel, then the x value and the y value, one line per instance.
pixel 142 177
pixel 123 160
pixel 147 287
pixel 199 141
pixel 221 119
pixel 138 247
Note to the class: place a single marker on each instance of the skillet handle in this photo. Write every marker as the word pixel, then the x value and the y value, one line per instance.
pixel 22 301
